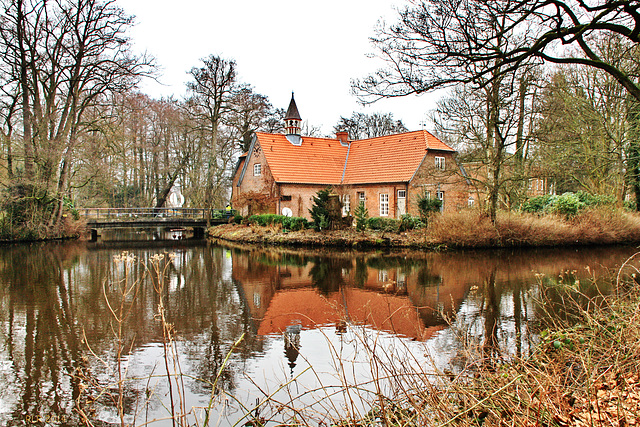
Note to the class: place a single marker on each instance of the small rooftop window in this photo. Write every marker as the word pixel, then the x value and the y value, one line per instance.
pixel 294 139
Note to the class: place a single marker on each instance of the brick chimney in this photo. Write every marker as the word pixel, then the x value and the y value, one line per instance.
pixel 343 137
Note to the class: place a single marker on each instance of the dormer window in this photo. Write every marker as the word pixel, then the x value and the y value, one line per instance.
pixel 439 162
pixel 257 169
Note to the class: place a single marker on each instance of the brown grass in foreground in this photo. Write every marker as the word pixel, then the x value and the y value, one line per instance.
pixel 474 229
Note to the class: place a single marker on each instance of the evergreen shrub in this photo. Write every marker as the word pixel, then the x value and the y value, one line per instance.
pixel 322 213
pixel 568 204
pixel 428 206
pixel 362 216
pixel 408 222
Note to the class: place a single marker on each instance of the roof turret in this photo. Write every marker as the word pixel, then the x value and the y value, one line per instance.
pixel 292 111
pixel 293 122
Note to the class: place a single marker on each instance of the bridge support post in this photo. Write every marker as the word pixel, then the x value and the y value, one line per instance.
pixel 94 235
pixel 198 232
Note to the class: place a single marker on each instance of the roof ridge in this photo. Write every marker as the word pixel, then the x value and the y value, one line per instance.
pixel 303 136
pixel 387 136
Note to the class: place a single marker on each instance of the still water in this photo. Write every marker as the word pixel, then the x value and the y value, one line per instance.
pixel 253 330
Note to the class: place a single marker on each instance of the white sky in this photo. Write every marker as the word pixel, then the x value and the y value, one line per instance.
pixel 313 48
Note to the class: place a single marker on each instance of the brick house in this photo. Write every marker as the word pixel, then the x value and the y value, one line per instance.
pixel 280 173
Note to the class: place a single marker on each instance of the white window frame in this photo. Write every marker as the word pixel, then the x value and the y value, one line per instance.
pixel 471 201
pixel 362 197
pixel 440 196
pixel 257 169
pixel 383 276
pixel 346 204
pixel 384 204
pixel 402 194
pixel 440 162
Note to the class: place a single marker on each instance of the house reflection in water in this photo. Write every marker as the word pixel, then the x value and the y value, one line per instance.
pixel 289 290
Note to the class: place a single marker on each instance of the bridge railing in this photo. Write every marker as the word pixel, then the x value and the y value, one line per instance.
pixel 127 214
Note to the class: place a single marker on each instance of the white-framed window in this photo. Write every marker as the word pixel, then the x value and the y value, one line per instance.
pixel 383 276
pixel 440 162
pixel 402 194
pixel 384 204
pixel 346 204
pixel 257 169
pixel 440 196
pixel 471 201
pixel 361 197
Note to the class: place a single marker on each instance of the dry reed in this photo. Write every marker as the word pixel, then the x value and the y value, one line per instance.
pixel 473 229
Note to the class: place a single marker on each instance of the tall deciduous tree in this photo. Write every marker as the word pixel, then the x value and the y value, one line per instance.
pixel 212 90
pixel 249 111
pixel 67 56
pixel 437 43
pixel 585 129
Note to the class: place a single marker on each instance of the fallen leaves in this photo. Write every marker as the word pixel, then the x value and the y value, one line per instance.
pixel 616 402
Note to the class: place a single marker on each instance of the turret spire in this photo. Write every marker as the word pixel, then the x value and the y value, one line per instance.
pixel 292 120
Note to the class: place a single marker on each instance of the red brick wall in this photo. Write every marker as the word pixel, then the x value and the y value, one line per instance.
pixel 301 198
pixel 431 179
pixel 372 194
pixel 263 184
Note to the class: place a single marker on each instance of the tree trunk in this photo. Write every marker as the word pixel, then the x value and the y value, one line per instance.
pixel 24 85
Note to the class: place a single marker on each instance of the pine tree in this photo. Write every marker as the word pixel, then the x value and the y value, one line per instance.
pixel 362 215
pixel 320 210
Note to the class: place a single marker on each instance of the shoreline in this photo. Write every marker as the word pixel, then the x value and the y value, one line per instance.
pixel 461 230
pixel 454 232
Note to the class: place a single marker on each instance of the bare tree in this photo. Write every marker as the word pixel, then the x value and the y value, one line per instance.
pixel 249 112
pixel 438 43
pixel 212 91
pixel 361 125
pixel 584 129
pixel 68 55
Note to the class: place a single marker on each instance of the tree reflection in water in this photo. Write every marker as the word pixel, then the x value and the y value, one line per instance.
pixel 51 297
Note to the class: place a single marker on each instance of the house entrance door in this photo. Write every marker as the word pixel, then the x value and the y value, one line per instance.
pixel 402 203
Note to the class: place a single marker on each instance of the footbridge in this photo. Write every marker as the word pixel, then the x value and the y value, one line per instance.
pixel 196 218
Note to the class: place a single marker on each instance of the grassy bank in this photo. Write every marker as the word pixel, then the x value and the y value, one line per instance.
pixel 469 229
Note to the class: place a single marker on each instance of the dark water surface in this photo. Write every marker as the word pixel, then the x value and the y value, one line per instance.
pixel 310 321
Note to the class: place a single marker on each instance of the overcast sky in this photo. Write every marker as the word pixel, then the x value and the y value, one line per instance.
pixel 313 48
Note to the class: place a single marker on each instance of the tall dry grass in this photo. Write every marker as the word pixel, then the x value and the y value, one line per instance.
pixel 473 229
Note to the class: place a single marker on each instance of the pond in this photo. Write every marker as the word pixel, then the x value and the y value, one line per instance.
pixel 249 333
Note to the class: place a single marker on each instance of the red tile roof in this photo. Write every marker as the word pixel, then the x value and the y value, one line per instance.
pixel 316 161
pixel 393 158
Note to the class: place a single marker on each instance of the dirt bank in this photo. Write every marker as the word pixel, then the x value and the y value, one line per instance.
pixel 342 238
